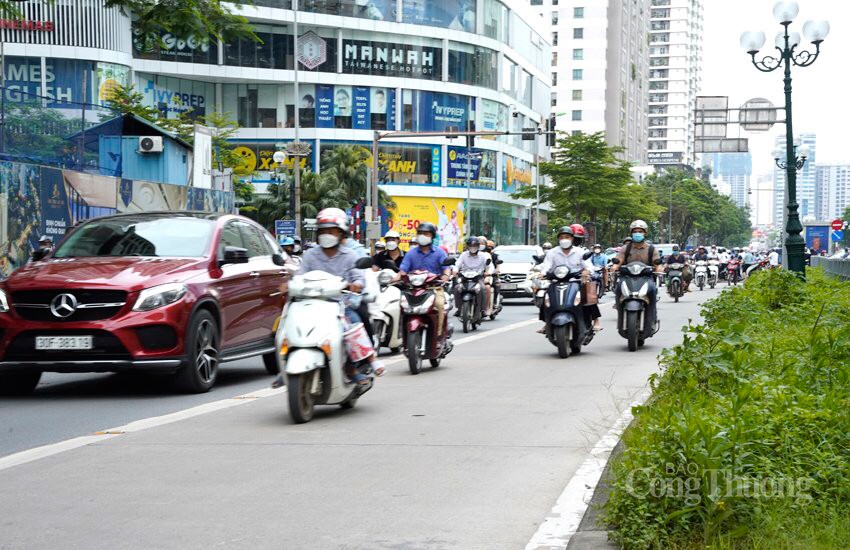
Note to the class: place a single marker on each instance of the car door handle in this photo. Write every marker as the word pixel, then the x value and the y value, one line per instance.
pixel 255 274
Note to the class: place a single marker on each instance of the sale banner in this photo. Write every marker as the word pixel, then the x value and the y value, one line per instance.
pixel 446 214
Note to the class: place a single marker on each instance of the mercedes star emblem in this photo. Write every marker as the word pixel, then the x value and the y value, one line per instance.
pixel 63 305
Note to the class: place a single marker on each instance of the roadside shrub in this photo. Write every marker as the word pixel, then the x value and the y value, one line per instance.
pixel 748 426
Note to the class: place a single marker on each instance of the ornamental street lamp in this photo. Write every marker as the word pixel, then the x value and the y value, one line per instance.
pixel 787 44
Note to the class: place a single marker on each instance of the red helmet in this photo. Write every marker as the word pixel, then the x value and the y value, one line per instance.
pixel 578 230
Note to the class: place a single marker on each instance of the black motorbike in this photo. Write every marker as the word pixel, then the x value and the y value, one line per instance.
pixel 567 326
pixel 675 287
pixel 635 319
pixel 470 291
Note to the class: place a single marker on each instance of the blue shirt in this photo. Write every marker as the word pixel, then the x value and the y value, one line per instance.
pixel 599 260
pixel 431 261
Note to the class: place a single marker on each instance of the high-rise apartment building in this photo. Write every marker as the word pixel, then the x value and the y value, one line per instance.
pixel 733 168
pixel 600 67
pixel 806 182
pixel 833 183
pixel 675 58
pixel 761 201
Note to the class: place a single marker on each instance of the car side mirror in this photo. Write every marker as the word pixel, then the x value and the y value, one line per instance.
pixel 277 259
pixel 234 255
pixel 364 263
pixel 448 262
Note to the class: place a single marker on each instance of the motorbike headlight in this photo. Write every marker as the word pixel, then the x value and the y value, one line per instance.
pixel 159 296
pixel 4 302
pixel 561 271
pixel 418 279
pixel 385 278
pixel 470 274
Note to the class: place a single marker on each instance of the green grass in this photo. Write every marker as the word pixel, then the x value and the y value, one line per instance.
pixel 745 442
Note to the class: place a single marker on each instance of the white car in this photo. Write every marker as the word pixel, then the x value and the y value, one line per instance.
pixel 519 259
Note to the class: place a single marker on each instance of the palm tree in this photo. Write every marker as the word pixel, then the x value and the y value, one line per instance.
pixel 347 167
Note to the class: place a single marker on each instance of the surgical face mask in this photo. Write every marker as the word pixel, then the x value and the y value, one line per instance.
pixel 328 240
pixel 638 237
pixel 424 240
pixel 597 251
pixel 565 243
pixel 296 248
pixel 473 250
pixel 392 245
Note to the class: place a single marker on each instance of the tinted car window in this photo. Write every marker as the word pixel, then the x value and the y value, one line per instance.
pixel 254 242
pixel 230 236
pixel 139 236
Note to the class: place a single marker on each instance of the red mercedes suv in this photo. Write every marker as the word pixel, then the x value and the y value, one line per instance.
pixel 170 292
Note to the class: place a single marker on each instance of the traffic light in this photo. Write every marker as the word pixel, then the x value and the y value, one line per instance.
pixel 550 131
pixel 470 140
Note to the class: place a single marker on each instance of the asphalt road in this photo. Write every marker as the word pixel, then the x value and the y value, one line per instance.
pixel 470 455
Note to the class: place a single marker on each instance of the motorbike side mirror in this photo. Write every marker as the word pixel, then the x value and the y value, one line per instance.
pixel 448 262
pixel 277 259
pixel 538 259
pixel 489 261
pixel 364 263
pixel 500 262
pixel 234 255
pixel 587 255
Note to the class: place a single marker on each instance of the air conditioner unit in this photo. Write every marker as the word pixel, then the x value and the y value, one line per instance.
pixel 150 144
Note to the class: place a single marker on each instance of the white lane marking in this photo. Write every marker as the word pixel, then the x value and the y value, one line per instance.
pixel 45 451
pixel 565 517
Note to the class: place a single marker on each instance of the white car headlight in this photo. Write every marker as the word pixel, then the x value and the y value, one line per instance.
pixel 561 271
pixel 159 296
pixel 4 302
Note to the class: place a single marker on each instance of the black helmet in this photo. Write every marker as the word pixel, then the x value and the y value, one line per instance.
pixel 566 230
pixel 470 241
pixel 427 227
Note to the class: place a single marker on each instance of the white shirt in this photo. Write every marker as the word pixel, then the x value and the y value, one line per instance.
pixel 773 258
pixel 573 258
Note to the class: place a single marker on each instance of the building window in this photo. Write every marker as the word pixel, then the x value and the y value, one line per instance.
pixel 576 115
pixel 577 132
pixel 554 2
pixel 578 33
pixel 554 18
pixel 554 39
pixel 578 13
pixel 554 79
pixel 578 54
pixel 578 74
pixel 554 59
pixel 577 95
pixel 554 99
pixel 536 2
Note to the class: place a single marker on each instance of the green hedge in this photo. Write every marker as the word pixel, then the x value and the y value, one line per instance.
pixel 745 442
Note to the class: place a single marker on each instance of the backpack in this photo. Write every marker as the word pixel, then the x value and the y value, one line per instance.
pixel 629 252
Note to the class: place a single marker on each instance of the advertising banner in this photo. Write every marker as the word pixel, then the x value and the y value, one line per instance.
pixel 516 173
pixel 361 120
pixel 259 157
pixel 494 117
pixel 55 212
pixel 324 106
pixel 63 77
pixel 817 238
pixel 109 77
pixel 386 59
pixel 446 214
pixel 437 111
pixel 181 96
pixel 405 164
pixel 457 15
pixel 377 10
pixel 481 168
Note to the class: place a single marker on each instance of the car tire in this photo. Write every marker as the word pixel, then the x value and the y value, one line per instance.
pixel 18 383
pixel 203 354
pixel 270 362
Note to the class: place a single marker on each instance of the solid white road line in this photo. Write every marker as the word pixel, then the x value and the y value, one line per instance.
pixel 44 451
pixel 564 518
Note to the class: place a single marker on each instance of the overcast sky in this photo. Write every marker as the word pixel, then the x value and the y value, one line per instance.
pixel 821 92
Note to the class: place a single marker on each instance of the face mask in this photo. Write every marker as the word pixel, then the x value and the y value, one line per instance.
pixel 296 249
pixel 473 250
pixel 638 237
pixel 565 243
pixel 392 245
pixel 597 251
pixel 327 240
pixel 424 240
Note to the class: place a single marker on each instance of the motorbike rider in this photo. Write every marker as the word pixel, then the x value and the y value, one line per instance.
pixel 489 294
pixel 546 247
pixel 701 255
pixel 638 250
pixel 713 255
pixel 473 259
pixel 429 258
pixel 391 253
pixel 45 247
pixel 679 257
pixel 573 258
pixel 497 275
pixel 332 256
pixel 747 261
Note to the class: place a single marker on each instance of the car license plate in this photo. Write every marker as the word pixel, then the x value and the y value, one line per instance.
pixel 509 286
pixel 63 342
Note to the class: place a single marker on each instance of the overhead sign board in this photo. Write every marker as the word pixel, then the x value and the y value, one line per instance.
pixel 665 157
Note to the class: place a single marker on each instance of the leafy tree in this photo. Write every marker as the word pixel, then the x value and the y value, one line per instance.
pixel 590 185
pixel 347 167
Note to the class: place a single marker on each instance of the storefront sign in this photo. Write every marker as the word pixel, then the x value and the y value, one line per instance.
pixel 385 59
pixel 516 174
pixel 324 106
pixel 312 50
pixel 27 25
pixel 361 119
pixel 259 157
pixel 172 101
pixel 481 168
pixel 63 78
pixel 446 214
pixel 664 157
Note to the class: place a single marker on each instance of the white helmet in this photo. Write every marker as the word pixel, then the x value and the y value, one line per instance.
pixel 639 224
pixel 392 235
pixel 332 217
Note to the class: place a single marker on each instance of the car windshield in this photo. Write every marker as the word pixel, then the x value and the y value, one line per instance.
pixel 182 237
pixel 510 256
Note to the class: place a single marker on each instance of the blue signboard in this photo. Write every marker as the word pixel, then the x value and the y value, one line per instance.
pixel 324 106
pixel 284 228
pixel 817 238
pixel 391 109
pixel 435 165
pixel 438 111
pixel 362 120
pixel 458 15
pixel 55 213
pixel 837 236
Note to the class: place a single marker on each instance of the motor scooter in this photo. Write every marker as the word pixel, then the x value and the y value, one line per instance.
pixel 674 281
pixel 733 272
pixel 471 300
pixel 386 323
pixel 701 274
pixel 713 272
pixel 419 321
pixel 567 326
pixel 315 347
pixel 635 321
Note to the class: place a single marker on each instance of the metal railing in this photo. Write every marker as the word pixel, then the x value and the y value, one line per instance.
pixel 836 268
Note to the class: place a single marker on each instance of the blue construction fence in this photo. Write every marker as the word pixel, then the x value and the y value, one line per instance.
pixel 44 200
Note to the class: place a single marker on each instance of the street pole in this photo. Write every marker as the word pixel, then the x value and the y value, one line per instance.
pixel 372 183
pixel 296 189
pixel 467 216
pixel 670 224
pixel 794 243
